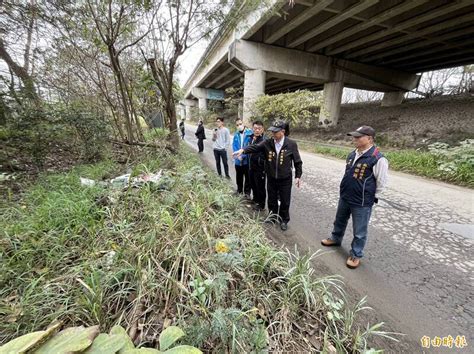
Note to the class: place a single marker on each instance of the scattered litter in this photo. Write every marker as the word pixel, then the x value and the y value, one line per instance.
pixel 125 180
pixel 6 177
pixel 120 181
pixel 147 178
pixel 87 182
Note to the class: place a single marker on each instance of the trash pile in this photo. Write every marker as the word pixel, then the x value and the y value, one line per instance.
pixel 126 181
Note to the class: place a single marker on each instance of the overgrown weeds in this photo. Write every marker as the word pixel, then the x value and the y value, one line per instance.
pixel 185 253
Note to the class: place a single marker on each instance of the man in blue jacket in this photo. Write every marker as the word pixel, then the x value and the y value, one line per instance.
pixel 241 140
pixel 364 178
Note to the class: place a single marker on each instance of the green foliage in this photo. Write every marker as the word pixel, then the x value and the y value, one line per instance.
pixel 156 134
pixel 298 108
pixel 233 101
pixel 90 128
pixel 39 134
pixel 90 255
pixel 73 339
pixel 89 341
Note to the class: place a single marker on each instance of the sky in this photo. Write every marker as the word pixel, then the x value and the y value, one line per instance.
pixel 190 59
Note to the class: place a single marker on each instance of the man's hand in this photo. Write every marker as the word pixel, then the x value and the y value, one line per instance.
pixel 298 182
pixel 238 153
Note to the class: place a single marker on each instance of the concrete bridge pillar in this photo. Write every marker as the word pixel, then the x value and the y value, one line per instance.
pixel 202 104
pixel 331 107
pixel 189 105
pixel 393 98
pixel 203 95
pixel 254 86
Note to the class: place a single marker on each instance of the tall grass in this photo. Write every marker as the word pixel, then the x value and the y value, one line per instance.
pixel 185 252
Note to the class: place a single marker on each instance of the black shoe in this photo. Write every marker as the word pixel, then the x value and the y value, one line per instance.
pixel 284 226
pixel 228 177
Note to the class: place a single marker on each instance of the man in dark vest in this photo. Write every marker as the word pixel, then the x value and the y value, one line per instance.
pixel 181 128
pixel 364 178
pixel 257 168
pixel 200 135
pixel 281 156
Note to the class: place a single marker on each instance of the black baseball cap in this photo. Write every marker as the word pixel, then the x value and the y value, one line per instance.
pixel 363 130
pixel 277 126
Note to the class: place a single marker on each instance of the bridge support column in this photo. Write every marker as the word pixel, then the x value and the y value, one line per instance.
pixel 329 114
pixel 203 95
pixel 202 105
pixel 392 98
pixel 254 86
pixel 189 105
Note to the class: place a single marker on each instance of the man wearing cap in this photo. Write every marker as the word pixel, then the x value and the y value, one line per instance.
pixel 281 155
pixel 364 178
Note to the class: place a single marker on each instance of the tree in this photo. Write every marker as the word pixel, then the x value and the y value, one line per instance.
pixel 118 26
pixel 180 25
pixel 18 21
pixel 435 83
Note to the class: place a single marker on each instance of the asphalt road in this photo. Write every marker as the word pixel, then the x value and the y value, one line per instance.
pixel 418 269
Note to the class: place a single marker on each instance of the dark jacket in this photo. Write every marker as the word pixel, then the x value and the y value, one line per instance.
pixel 200 133
pixel 280 166
pixel 358 185
pixel 257 159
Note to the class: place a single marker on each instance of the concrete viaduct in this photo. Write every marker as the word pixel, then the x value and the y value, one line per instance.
pixel 379 45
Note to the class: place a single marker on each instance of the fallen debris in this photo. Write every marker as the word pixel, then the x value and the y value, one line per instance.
pixel 125 181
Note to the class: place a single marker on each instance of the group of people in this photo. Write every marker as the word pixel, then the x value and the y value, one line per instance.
pixel 262 166
pixel 268 167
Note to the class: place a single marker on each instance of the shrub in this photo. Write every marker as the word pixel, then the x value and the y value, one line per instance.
pixel 299 108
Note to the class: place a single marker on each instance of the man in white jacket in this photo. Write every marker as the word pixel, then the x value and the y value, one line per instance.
pixel 221 139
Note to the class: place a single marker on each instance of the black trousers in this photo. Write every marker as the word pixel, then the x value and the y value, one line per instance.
pixel 257 183
pixel 201 145
pixel 279 189
pixel 221 155
pixel 242 178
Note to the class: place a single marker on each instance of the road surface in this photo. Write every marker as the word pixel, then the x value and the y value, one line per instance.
pixel 418 268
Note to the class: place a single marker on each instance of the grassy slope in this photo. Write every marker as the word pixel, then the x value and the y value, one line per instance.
pixel 187 255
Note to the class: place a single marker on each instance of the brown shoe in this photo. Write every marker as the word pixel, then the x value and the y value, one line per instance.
pixel 328 242
pixel 353 262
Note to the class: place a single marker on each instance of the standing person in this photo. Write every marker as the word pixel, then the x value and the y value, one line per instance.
pixel 365 177
pixel 181 127
pixel 281 156
pixel 221 139
pixel 257 168
pixel 200 135
pixel 241 140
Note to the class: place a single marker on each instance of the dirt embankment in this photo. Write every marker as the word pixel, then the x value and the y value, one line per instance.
pixel 414 123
